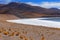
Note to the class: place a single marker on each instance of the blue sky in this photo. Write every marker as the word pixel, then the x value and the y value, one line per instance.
pixel 38 1
pixel 34 1
pixel 42 3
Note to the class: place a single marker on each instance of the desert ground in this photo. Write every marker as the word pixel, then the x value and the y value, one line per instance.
pixel 13 31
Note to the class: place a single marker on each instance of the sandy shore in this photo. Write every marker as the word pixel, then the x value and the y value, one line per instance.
pixel 12 31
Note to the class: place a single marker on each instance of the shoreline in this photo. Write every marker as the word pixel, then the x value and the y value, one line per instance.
pixel 27 31
pixel 36 22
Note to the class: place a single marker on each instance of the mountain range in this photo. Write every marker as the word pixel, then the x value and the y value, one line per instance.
pixel 23 10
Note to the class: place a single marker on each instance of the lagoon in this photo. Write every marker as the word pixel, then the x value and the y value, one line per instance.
pixel 53 22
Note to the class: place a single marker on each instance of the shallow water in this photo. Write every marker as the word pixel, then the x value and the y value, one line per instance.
pixel 52 19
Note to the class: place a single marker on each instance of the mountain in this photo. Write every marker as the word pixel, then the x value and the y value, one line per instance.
pixel 23 10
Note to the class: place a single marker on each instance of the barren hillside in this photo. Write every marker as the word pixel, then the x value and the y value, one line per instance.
pixel 7 17
pixel 23 10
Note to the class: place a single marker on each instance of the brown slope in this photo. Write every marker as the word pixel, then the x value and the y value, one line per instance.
pixel 23 10
pixel 5 17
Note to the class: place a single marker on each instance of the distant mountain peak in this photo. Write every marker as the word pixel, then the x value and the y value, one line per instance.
pixel 14 3
pixel 26 10
pixel 54 8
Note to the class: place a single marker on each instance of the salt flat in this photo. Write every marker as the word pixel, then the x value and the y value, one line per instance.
pixel 37 22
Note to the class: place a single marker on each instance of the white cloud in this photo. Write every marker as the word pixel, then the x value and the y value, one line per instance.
pixel 8 1
pixel 5 1
pixel 33 4
pixel 46 4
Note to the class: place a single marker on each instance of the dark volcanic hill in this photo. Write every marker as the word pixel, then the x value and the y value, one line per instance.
pixel 23 10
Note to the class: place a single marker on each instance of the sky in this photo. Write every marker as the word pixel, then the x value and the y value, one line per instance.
pixel 41 3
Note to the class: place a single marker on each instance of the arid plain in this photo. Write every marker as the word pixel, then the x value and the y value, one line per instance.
pixel 13 31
